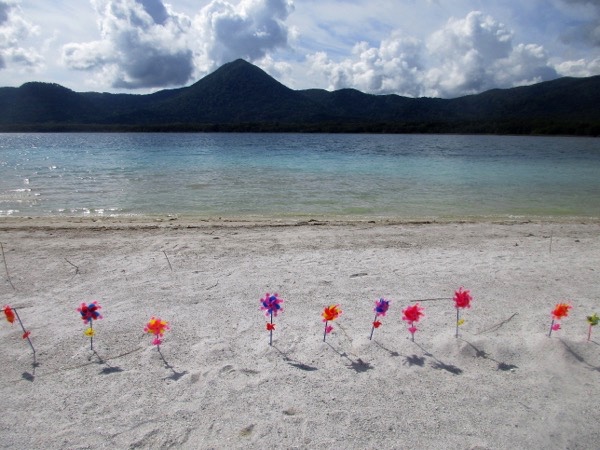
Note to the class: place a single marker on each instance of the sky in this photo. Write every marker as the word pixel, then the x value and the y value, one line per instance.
pixel 414 48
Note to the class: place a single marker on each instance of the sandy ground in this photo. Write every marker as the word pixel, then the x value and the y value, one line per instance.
pixel 216 382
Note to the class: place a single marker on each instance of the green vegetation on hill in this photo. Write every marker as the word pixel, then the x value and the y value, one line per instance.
pixel 242 97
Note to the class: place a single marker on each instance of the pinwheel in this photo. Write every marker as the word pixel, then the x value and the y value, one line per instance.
pixel 90 312
pixel 412 314
pixel 462 300
pixel 157 327
pixel 330 313
pixel 271 305
pixel 592 321
pixel 381 307
pixel 560 311
pixel 11 314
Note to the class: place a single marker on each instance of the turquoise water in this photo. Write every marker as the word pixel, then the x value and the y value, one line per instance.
pixel 298 175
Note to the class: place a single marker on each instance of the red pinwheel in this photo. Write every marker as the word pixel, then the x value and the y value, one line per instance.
pixel 412 314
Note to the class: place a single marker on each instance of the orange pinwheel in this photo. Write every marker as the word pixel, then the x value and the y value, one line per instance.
pixel 157 327
pixel 560 311
pixel 331 312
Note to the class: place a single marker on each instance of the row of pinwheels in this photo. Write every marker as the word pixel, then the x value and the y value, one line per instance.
pixel 90 312
pixel 271 305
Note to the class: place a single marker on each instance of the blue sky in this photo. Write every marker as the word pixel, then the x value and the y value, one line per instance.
pixel 434 48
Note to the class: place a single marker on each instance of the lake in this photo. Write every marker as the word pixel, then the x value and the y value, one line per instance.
pixel 344 176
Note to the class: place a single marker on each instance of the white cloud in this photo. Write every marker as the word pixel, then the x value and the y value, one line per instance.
pixel 393 67
pixel 249 30
pixel 14 31
pixel 466 56
pixel 143 44
pixel 476 53
pixel 579 68
pixel 280 70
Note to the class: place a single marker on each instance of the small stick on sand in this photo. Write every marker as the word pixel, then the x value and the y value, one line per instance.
pixel 76 267
pixel 6 267
pixel 170 267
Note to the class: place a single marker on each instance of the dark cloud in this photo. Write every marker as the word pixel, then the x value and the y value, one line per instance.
pixel 4 9
pixel 249 30
pixel 152 68
pixel 143 45
pixel 587 31
pixel 156 10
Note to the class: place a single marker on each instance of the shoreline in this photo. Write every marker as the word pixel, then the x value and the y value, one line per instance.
pixel 175 222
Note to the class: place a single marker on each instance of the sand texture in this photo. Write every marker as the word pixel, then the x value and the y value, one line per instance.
pixel 216 382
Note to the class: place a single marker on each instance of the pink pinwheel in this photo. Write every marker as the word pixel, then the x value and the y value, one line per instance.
pixel 462 300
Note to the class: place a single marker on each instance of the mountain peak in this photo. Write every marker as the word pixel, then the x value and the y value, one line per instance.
pixel 241 73
pixel 241 91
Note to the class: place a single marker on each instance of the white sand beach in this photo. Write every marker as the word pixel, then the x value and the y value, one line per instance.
pixel 216 382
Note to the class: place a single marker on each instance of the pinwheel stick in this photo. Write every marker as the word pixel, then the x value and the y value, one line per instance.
pixel 373 327
pixel 24 331
pixel 457 321
pixel 271 330
pixel 92 335
pixel 590 332
pixel 551 328
pixel 325 332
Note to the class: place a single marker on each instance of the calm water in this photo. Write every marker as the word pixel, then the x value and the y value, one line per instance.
pixel 288 175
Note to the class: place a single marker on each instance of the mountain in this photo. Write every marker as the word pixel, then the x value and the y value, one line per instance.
pixel 241 97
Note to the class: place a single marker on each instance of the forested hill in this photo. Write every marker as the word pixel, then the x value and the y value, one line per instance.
pixel 241 97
